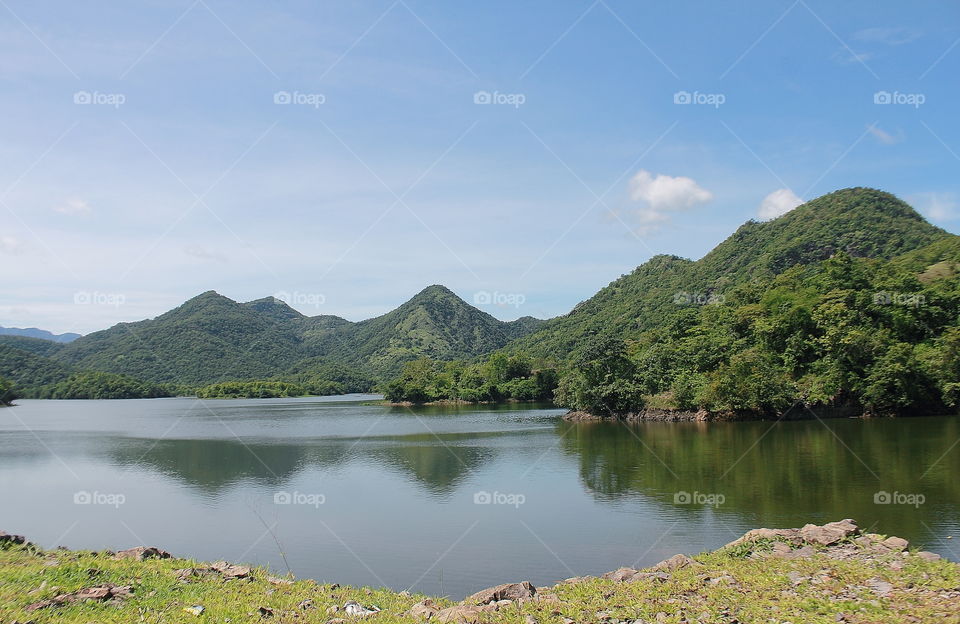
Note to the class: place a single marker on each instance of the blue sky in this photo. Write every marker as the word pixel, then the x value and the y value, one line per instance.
pixel 345 155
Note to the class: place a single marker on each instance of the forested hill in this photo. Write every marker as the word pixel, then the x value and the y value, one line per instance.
pixel 861 222
pixel 212 338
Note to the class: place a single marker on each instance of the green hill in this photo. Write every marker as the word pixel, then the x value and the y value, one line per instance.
pixel 212 338
pixel 859 221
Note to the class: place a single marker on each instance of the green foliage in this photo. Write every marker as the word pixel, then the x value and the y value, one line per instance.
pixel 603 381
pixel 251 390
pixel 8 393
pixel 96 385
pixel 499 378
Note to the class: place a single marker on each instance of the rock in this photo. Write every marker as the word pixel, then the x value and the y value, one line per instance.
pixel 801 553
pixel 305 604
pixel 576 580
pixel 354 608
pixel 275 580
pixel 229 570
pixel 425 609
pixel 928 556
pixel 895 543
pixel 6 538
pixel 674 563
pixel 830 533
pixel 880 587
pixel 265 612
pixel 140 553
pixel 770 534
pixel 507 591
pixel 459 613
pixel 100 593
pixel 620 575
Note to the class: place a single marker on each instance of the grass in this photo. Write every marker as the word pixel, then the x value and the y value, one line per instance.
pixel 729 586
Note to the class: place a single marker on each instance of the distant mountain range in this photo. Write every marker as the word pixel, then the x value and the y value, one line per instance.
pixel 33 332
pixel 212 338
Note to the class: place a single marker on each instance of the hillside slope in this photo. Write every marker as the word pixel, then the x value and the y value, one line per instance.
pixel 860 221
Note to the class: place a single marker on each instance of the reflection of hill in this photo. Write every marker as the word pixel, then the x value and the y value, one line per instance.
pixel 212 465
pixel 438 461
pixel 795 472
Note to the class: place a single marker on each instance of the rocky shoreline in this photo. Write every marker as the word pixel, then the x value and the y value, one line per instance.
pixel 832 572
pixel 677 415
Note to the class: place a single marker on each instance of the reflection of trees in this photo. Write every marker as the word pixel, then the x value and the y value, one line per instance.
pixel 790 471
pixel 439 461
pixel 212 465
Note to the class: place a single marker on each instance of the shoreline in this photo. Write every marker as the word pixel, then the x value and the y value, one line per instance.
pixel 702 415
pixel 818 573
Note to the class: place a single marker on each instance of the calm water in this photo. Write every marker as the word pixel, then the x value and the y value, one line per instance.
pixel 365 494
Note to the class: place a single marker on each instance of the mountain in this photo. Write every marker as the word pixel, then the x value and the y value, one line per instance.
pixel 212 338
pixel 860 221
pixel 33 332
pixel 208 338
pixel 435 323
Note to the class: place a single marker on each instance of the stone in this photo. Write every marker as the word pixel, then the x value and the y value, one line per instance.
pixel 830 533
pixel 895 543
pixel 459 613
pixel 770 534
pixel 6 538
pixel 675 563
pixel 928 556
pixel 620 575
pixel 880 587
pixel 507 591
pixel 229 570
pixel 275 580
pixel 801 553
pixel 425 609
pixel 141 553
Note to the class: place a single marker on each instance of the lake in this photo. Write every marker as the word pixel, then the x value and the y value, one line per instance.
pixel 447 501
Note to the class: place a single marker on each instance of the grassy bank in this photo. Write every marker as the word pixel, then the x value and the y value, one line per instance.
pixel 821 575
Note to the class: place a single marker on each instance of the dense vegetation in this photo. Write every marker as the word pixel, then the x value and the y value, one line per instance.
pixel 878 336
pixel 7 392
pixel 96 385
pixel 499 378
pixel 847 301
pixel 251 390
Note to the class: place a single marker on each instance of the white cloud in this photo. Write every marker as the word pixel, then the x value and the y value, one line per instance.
pixel 663 194
pixel 936 206
pixel 889 36
pixel 10 245
pixel 74 206
pixel 778 203
pixel 885 137
pixel 203 254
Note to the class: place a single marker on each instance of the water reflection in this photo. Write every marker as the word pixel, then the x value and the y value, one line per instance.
pixel 795 472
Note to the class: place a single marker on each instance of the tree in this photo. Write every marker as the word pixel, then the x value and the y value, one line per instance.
pixel 603 381
pixel 7 392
